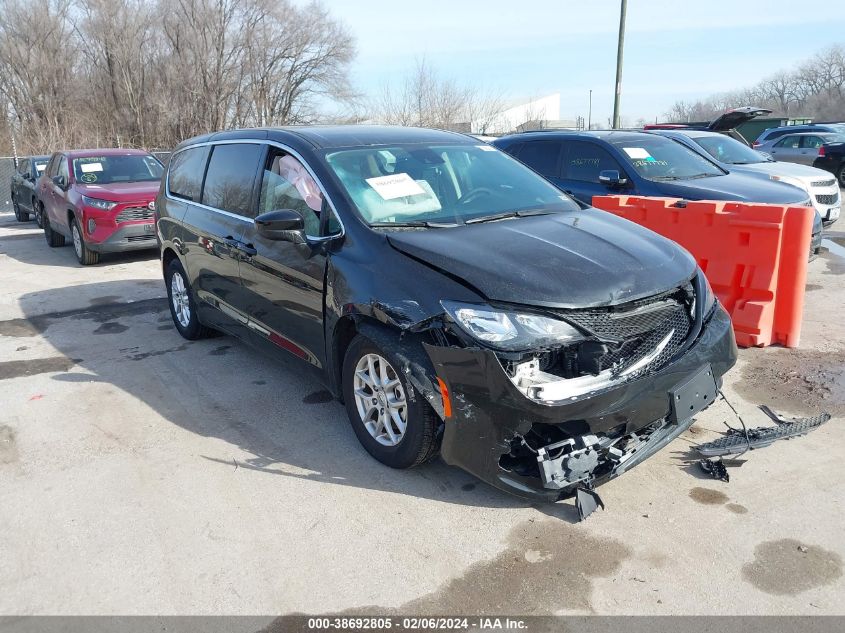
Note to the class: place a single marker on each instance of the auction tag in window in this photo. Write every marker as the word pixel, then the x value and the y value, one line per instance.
pixel 637 152
pixel 395 186
pixel 87 168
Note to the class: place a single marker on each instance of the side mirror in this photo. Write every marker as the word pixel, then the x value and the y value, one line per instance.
pixel 60 181
pixel 611 178
pixel 26 176
pixel 283 225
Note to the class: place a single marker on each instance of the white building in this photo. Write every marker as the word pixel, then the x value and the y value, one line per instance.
pixel 531 114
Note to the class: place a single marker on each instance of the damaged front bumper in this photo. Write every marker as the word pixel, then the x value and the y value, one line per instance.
pixel 597 436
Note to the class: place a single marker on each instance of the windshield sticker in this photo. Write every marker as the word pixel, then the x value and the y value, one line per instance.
pixel 580 162
pixel 650 161
pixel 486 148
pixel 87 168
pixel 88 178
pixel 40 166
pixel 395 186
pixel 637 152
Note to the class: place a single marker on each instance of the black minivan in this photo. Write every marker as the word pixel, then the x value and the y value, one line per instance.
pixel 456 301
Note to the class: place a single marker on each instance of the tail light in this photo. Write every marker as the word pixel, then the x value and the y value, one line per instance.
pixel 821 152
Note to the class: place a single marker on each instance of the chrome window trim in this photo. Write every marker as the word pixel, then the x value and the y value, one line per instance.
pixel 253 141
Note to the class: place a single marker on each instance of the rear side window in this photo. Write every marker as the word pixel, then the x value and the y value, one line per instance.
pixel 230 178
pixel 789 142
pixel 186 172
pixel 585 161
pixel 811 142
pixel 541 156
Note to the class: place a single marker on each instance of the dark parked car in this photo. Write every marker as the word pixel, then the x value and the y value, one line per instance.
pixel 831 158
pixel 587 164
pixel 734 156
pixel 24 201
pixel 455 300
pixel 102 199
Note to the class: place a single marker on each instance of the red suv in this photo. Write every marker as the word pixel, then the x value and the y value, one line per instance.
pixel 102 199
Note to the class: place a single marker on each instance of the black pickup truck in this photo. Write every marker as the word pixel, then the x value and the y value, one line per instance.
pixel 23 187
pixel 832 158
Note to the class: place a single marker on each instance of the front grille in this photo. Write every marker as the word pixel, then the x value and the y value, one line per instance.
pixel 827 198
pixel 134 213
pixel 823 183
pixel 633 331
pixel 140 238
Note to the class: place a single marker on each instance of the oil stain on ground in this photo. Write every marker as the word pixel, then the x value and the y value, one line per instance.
pixel 548 566
pixel 8 448
pixel 17 368
pixel 318 397
pixel 708 496
pixel 220 351
pixel 99 313
pixel 111 327
pixel 787 567
pixel 160 352
pixel 800 381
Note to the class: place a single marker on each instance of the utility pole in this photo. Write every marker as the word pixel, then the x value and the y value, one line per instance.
pixel 590 113
pixel 619 50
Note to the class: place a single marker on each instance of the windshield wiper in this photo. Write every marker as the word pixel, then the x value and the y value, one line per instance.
pixel 507 214
pixel 422 224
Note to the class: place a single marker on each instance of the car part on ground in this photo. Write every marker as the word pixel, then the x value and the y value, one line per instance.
pixel 368 255
pixel 760 279
pixel 715 468
pixel 738 441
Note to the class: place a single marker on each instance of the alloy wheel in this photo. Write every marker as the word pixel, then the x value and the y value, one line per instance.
pixel 77 240
pixel 179 299
pixel 380 399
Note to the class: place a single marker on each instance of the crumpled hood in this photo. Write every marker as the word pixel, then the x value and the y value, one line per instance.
pixel 565 260
pixel 121 191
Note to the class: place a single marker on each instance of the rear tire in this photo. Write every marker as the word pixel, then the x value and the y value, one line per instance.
pixel 183 309
pixel 54 240
pixel 417 442
pixel 842 176
pixel 86 256
pixel 20 216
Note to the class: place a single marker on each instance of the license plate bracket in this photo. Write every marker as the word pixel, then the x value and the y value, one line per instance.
pixel 693 395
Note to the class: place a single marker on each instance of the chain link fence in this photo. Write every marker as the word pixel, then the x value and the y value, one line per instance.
pixel 7 168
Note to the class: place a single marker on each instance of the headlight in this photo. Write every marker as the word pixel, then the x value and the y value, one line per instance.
pixel 709 295
pixel 510 331
pixel 105 205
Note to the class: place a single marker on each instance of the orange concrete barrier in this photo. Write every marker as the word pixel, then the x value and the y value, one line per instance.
pixel 754 255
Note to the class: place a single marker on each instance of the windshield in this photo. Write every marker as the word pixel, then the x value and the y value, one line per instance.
pixel 729 150
pixel 104 170
pixel 658 158
pixel 444 184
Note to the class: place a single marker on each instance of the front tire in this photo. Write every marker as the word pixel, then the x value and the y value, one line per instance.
pixel 183 307
pixel 391 419
pixel 36 206
pixel 86 256
pixel 53 239
pixel 842 176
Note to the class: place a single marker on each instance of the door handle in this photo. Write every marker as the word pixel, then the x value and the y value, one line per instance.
pixel 247 249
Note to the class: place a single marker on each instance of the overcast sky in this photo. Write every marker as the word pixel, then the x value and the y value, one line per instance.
pixel 524 48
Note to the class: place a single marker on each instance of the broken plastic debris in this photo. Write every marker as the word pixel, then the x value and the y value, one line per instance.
pixel 715 468
pixel 739 441
pixel 587 501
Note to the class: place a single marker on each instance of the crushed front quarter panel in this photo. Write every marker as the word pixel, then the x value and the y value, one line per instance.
pixel 488 411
